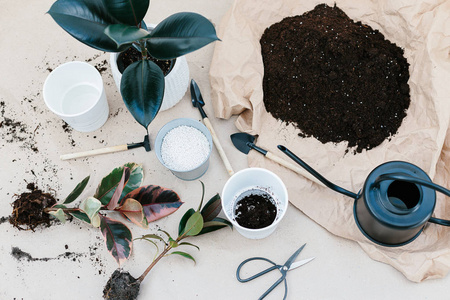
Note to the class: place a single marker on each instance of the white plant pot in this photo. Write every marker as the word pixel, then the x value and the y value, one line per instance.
pixel 176 82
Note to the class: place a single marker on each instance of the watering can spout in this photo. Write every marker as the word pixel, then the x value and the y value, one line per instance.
pixel 313 172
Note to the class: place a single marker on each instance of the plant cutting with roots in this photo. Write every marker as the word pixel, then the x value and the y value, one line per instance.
pixel 123 286
pixel 116 25
pixel 120 191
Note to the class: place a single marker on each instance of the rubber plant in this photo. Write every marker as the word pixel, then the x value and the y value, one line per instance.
pixel 122 285
pixel 116 25
pixel 120 191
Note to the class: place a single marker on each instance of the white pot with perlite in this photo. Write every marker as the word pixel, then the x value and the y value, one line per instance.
pixel 184 146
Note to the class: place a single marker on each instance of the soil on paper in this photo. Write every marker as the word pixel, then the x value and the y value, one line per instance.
pixel 28 209
pixel 335 79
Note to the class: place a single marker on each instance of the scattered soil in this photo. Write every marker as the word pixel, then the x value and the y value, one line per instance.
pixel 28 209
pixel 121 286
pixel 335 79
pixel 132 55
pixel 18 254
pixel 255 211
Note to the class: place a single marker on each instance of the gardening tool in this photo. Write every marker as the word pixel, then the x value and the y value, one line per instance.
pixel 395 203
pixel 197 101
pixel 288 265
pixel 145 144
pixel 244 142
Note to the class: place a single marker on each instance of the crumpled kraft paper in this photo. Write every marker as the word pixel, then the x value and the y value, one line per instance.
pixel 422 29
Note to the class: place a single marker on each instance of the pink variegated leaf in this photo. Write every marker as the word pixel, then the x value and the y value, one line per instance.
pixel 118 238
pixel 133 211
pixel 116 196
pixel 157 202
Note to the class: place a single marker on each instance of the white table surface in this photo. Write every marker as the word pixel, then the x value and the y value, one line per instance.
pixel 30 44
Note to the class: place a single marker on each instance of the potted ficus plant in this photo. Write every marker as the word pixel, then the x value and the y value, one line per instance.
pixel 120 192
pixel 122 285
pixel 117 25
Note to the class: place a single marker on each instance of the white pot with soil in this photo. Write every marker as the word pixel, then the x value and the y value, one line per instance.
pixel 176 81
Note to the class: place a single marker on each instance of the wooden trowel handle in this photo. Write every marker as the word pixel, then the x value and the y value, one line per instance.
pixel 94 152
pixel 294 168
pixel 219 148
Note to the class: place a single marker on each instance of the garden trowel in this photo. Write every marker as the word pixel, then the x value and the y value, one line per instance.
pixel 197 101
pixel 145 144
pixel 245 142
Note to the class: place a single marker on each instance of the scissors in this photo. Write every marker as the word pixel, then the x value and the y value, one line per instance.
pixel 288 265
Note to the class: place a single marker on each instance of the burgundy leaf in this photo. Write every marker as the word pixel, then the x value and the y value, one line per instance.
pixel 116 196
pixel 156 201
pixel 118 238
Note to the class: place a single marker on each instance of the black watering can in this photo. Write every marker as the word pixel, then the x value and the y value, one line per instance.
pixel 395 203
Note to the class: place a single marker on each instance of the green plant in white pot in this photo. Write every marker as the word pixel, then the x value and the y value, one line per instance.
pixel 116 25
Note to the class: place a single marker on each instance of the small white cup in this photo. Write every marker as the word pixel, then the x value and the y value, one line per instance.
pixel 74 91
pixel 252 178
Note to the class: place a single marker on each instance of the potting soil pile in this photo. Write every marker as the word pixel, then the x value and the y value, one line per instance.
pixel 240 86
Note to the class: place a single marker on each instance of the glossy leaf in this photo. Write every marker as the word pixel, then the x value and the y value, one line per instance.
pixel 129 12
pixel 123 34
pixel 80 215
pixel 109 183
pixel 156 201
pixel 184 254
pixel 194 225
pixel 77 191
pixel 118 192
pixel 180 34
pixel 142 89
pixel 133 211
pixel 215 224
pixel 59 214
pixel 59 206
pixel 212 208
pixel 184 220
pixel 203 196
pixel 86 20
pixel 91 207
pixel 188 244
pixel 118 238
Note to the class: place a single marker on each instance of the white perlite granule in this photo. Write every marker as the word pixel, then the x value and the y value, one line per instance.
pixel 184 148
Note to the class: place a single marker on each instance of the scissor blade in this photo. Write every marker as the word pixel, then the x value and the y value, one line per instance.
pixel 300 263
pixel 291 259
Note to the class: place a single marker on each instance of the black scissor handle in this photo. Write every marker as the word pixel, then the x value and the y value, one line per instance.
pixel 275 266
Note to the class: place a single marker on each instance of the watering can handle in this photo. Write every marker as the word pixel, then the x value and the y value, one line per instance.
pixel 431 185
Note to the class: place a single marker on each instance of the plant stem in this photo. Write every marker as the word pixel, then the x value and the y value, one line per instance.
pixel 166 249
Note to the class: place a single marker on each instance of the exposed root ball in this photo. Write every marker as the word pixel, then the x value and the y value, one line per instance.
pixel 121 286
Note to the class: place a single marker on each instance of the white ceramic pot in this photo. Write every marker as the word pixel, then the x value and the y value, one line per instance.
pixel 176 82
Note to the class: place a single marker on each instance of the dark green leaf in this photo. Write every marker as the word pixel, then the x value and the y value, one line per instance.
pixel 109 183
pixel 188 244
pixel 118 238
pixel 212 208
pixel 180 34
pixel 184 219
pixel 184 254
pixel 113 203
pixel 77 191
pixel 142 89
pixel 86 20
pixel 123 34
pixel 215 224
pixel 59 206
pixel 129 12
pixel 156 201
pixel 194 225
pixel 80 215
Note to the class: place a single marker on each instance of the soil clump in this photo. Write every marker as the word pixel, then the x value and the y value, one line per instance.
pixel 28 209
pixel 335 79
pixel 255 211
pixel 121 286
pixel 132 55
